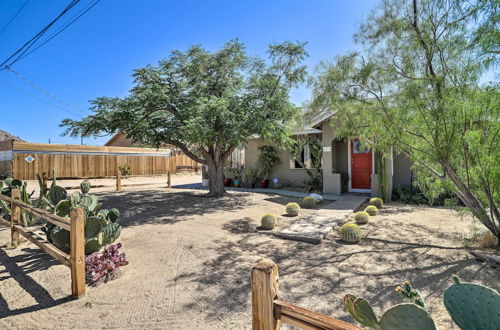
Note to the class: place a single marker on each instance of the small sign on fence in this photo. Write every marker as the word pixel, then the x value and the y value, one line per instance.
pixel 30 159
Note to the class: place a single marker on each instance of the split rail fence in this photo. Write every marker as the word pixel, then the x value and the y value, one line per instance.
pixel 75 225
pixel 268 312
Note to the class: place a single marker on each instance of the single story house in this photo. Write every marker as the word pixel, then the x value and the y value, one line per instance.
pixel 347 167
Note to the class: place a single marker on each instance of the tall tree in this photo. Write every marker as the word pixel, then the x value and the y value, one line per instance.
pixel 415 87
pixel 205 103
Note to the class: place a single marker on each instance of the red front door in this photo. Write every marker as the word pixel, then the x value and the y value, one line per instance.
pixel 361 166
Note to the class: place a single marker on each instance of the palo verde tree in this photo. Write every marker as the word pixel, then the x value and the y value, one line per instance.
pixel 205 103
pixel 415 88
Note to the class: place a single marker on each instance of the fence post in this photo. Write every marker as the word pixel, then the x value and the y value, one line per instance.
pixel 15 216
pixel 265 289
pixel 77 252
pixel 169 180
pixel 118 180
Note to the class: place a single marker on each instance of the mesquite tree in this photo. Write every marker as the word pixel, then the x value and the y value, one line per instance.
pixel 205 103
pixel 416 88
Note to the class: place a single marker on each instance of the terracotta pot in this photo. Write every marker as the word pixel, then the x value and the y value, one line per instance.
pixel 264 183
pixel 237 184
pixel 227 182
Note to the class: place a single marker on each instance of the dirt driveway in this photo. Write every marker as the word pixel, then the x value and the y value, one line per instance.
pixel 190 259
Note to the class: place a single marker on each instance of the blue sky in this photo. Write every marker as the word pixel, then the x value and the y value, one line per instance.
pixel 96 55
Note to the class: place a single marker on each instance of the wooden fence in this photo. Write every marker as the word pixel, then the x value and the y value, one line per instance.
pixel 25 160
pixel 268 311
pixel 75 225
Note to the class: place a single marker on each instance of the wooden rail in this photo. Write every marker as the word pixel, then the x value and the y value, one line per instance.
pixel 75 225
pixel 268 312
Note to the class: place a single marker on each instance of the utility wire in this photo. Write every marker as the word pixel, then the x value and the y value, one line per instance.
pixel 40 99
pixel 61 29
pixel 14 17
pixel 21 51
pixel 32 84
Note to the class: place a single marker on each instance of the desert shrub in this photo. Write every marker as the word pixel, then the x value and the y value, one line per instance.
pixel 308 202
pixel 362 218
pixel 268 221
pixel 412 194
pixel 486 239
pixel 371 210
pixel 124 169
pixel 350 233
pixel 292 209
pixel 101 268
pixel 377 202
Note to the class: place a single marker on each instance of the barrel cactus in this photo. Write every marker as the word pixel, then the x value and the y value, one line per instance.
pixel 473 306
pixel 362 218
pixel 85 186
pixel 377 202
pixel 308 202
pixel 292 209
pixel 268 221
pixel 402 316
pixel 371 210
pixel 350 233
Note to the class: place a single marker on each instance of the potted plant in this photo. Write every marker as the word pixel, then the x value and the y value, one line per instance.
pixel 227 175
pixel 267 161
pixel 250 175
pixel 238 175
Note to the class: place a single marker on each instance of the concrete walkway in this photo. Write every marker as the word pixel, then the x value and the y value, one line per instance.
pixel 313 228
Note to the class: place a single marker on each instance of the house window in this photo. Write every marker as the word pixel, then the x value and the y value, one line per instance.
pixel 237 157
pixel 305 157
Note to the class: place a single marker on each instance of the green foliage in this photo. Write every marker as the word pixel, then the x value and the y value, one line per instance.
pixel 377 202
pixel 434 195
pixel 371 210
pixel 362 218
pixel 250 175
pixel 473 306
pixel 205 103
pixel 350 233
pixel 414 89
pixel 268 159
pixel 6 187
pixel 308 202
pixel 315 178
pixel 124 169
pixel 268 221
pixel 406 291
pixel 85 186
pixel 292 209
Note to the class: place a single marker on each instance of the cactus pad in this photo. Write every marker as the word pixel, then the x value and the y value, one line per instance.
pixel 85 186
pixel 361 311
pixel 57 194
pixel 371 210
pixel 362 218
pixel 350 233
pixel 308 202
pixel 406 316
pixel 292 209
pixel 473 306
pixel 377 202
pixel 268 221
pixel 62 208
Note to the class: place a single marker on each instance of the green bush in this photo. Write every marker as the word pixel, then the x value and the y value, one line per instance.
pixel 268 221
pixel 350 233
pixel 362 218
pixel 371 210
pixel 292 209
pixel 308 202
pixel 377 202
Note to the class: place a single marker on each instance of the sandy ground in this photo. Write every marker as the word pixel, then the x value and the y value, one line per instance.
pixel 190 260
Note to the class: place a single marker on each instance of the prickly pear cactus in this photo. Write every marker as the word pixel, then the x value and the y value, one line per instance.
pixel 89 202
pixel 362 218
pixel 56 194
pixel 292 209
pixel 113 215
pixel 371 210
pixel 308 202
pixel 473 306
pixel 62 208
pixel 350 233
pixel 377 202
pixel 268 221
pixel 85 186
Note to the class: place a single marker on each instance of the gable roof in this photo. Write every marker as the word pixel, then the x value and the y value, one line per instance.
pixel 7 136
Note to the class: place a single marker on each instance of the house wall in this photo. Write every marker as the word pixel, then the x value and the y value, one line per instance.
pixel 402 170
pixel 282 171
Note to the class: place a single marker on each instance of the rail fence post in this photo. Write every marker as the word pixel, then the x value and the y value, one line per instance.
pixel 118 180
pixel 169 180
pixel 77 252
pixel 15 216
pixel 265 289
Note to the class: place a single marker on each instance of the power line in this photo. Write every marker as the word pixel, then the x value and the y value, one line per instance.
pixel 21 51
pixel 40 99
pixel 32 84
pixel 64 27
pixel 14 17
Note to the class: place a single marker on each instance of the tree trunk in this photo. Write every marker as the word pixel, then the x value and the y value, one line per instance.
pixel 216 177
